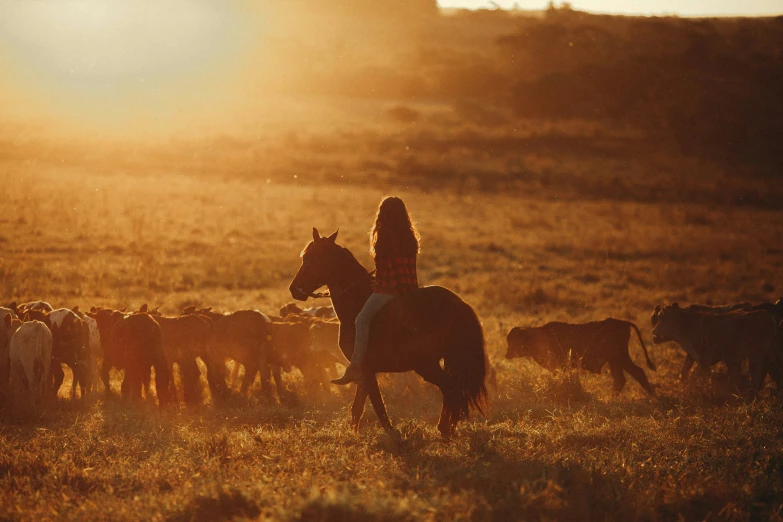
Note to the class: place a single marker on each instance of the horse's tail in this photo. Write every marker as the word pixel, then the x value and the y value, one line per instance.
pixel 465 363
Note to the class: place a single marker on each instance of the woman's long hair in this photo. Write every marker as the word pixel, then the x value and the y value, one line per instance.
pixel 393 232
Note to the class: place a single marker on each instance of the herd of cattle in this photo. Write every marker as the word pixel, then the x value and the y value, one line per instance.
pixel 36 340
pixel 730 334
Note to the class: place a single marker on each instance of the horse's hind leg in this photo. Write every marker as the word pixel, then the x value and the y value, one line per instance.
pixel 357 408
pixel 376 399
pixel 447 422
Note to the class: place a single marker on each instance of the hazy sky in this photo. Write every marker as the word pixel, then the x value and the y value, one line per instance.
pixel 681 7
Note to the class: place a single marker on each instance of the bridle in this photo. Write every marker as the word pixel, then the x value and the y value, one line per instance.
pixel 318 295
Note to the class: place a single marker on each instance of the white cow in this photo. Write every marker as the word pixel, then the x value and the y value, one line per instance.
pixel 41 306
pixel 31 356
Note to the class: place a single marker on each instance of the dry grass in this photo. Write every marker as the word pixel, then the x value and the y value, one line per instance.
pixel 551 447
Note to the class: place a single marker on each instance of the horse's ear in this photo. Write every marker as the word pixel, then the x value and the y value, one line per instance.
pixel 333 237
pixel 316 235
pixel 75 309
pixel 657 309
pixel 26 318
pixel 676 305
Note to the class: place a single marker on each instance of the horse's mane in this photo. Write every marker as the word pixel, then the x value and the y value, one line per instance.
pixel 344 252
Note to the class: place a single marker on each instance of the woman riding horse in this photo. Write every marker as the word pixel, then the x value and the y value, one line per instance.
pixel 428 330
pixel 394 244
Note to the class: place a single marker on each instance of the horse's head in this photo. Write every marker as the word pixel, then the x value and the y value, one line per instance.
pixel 317 265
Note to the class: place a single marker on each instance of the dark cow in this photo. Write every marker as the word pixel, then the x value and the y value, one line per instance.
pixel 733 337
pixel 186 338
pixel 775 309
pixel 591 344
pixel 133 343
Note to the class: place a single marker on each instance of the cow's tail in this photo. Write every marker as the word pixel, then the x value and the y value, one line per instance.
pixel 650 364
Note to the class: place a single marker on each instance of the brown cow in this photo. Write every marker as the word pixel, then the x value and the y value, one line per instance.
pixel 245 337
pixel 184 339
pixel 133 343
pixel 592 345
pixel 294 341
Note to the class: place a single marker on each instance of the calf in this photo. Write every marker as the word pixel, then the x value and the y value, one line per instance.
pixel 294 341
pixel 136 345
pixel 184 339
pixel 592 345
pixel 133 343
pixel 71 347
pixel 30 353
pixel 93 335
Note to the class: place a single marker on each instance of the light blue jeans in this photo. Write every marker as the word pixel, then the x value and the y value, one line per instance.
pixel 363 322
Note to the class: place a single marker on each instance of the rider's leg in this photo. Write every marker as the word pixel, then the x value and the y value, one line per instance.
pixel 363 320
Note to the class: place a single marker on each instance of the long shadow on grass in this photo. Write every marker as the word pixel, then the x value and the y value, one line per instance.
pixel 509 488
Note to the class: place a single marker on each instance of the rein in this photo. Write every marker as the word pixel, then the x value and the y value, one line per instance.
pixel 318 295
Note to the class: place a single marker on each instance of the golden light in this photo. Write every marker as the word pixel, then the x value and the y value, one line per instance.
pixel 117 63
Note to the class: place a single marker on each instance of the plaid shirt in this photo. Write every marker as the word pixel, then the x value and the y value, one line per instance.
pixel 395 275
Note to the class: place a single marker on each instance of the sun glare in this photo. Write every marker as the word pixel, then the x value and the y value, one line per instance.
pixel 92 57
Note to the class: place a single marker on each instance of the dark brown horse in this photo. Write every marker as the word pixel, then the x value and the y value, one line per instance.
pixel 412 333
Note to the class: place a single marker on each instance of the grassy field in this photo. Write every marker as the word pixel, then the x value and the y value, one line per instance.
pixel 550 447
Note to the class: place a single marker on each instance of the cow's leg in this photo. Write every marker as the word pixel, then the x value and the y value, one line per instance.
pixel 58 375
pixel 357 408
pixel 278 380
pixel 376 399
pixel 44 379
pixel 105 367
pixel 35 380
pixel 618 376
pixel 687 364
pixel 251 369
pixel 758 372
pixel 735 373
pixel 216 378
pixel 323 378
pixel 637 373
pixel 125 385
pixel 163 382
pixel 74 385
pixel 5 376
pixel 190 375
pixel 775 370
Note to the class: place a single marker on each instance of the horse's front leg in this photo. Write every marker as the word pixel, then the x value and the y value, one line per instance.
pixel 357 408
pixel 377 402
